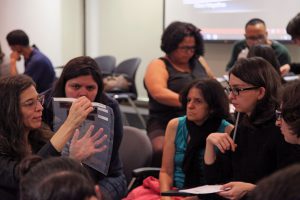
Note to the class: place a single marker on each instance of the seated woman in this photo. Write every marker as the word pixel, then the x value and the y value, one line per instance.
pixel 207 108
pixel 165 77
pixel 21 133
pixel 266 52
pixel 257 148
pixel 284 184
pixel 80 77
pixel 288 116
pixel 54 178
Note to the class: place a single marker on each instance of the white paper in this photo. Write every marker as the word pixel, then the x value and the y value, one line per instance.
pixel 205 189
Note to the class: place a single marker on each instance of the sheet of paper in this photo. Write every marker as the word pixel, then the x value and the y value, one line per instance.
pixel 205 189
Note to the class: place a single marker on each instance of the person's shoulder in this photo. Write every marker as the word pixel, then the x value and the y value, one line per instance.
pixel 40 57
pixel 158 62
pixel 277 45
pixel 239 43
pixel 173 123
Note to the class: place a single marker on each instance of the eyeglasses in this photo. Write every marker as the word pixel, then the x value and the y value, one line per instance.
pixel 255 38
pixel 32 103
pixel 236 91
pixel 187 48
pixel 278 114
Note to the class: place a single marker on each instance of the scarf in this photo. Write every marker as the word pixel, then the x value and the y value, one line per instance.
pixel 193 161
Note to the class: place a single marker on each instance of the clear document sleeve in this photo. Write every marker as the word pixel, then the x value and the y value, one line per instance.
pixel 101 117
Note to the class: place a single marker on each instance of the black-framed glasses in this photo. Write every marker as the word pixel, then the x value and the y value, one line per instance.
pixel 278 114
pixel 236 91
pixel 187 48
pixel 32 103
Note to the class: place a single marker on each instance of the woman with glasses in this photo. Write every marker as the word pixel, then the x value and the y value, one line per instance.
pixel 166 76
pixel 21 133
pixel 288 116
pixel 256 148
pixel 81 77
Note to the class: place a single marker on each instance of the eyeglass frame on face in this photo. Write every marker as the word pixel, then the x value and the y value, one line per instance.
pixel 32 103
pixel 236 91
pixel 187 49
pixel 255 38
pixel 278 115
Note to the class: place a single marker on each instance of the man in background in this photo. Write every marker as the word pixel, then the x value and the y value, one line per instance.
pixel 37 65
pixel 256 33
pixel 293 29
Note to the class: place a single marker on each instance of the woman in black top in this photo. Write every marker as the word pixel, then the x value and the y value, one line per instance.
pixel 256 148
pixel 21 134
pixel 165 77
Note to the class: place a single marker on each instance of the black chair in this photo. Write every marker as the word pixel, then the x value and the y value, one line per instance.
pixel 106 64
pixel 128 68
pixel 136 154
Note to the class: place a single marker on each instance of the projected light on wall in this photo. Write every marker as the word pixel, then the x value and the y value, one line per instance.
pixel 225 19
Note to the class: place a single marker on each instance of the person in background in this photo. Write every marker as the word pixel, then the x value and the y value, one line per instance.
pixel 293 29
pixel 81 77
pixel 288 115
pixel 22 134
pixel 266 52
pixel 37 65
pixel 57 178
pixel 207 109
pixel 256 148
pixel 256 33
pixel 166 76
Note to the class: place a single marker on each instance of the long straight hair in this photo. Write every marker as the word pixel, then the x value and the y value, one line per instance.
pixel 12 129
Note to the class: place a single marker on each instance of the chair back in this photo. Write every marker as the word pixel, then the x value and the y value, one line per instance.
pixel 106 64
pixel 129 68
pixel 135 150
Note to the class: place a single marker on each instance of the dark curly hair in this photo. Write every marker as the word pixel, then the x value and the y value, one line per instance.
pixel 293 27
pixel 176 32
pixel 213 94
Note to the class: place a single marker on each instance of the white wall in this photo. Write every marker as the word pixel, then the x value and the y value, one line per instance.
pixel 55 26
pixel 125 28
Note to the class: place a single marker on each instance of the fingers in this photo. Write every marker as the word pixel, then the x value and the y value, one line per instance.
pixel 222 141
pixel 101 149
pixel 88 133
pixel 97 134
pixel 98 192
pixel 227 186
pixel 76 136
pixel 100 141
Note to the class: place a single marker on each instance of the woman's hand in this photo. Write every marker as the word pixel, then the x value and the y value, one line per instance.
pixel 221 140
pixel 79 110
pixel 83 148
pixel 191 198
pixel 235 190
